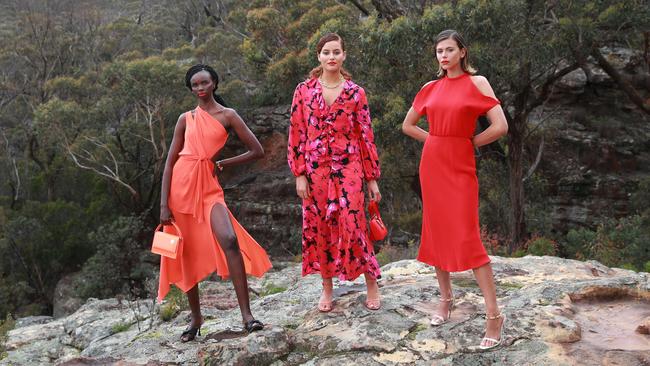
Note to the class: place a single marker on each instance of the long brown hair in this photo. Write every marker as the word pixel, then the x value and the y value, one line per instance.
pixel 316 72
pixel 464 62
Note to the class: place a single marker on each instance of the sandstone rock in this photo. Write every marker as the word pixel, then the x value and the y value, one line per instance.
pixel 573 82
pixel 31 320
pixel 260 348
pixel 644 326
pixel 626 358
pixel 65 300
pixel 558 329
pixel 541 296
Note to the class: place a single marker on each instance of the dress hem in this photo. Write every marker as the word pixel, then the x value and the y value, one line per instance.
pixel 340 276
pixel 457 268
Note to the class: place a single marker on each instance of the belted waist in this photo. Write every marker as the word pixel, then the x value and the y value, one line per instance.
pixel 450 136
pixel 202 172
pixel 195 158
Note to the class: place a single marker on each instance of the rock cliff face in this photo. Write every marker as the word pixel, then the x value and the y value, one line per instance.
pixel 262 195
pixel 559 312
pixel 601 144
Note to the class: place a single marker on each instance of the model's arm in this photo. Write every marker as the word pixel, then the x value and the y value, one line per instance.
pixel 296 145
pixel 255 150
pixel 175 148
pixel 369 155
pixel 410 126
pixel 498 123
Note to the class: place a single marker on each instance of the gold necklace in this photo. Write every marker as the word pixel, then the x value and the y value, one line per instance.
pixel 325 85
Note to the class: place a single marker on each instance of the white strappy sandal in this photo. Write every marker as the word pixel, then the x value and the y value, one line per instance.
pixel 495 342
pixel 437 320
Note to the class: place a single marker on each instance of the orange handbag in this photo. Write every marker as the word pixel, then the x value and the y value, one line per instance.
pixel 167 244
pixel 378 230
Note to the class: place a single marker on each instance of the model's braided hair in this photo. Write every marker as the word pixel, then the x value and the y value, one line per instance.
pixel 215 77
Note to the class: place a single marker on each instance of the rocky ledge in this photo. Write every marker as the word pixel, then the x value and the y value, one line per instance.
pixel 559 312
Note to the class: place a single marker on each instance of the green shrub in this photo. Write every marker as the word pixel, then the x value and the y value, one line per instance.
pixel 175 302
pixel 270 289
pixel 629 266
pixel 577 243
pixel 541 246
pixel 614 243
pixel 519 253
pixel 392 253
pixel 119 264
pixel 410 222
pixel 5 326
pixel 120 327
pixel 168 312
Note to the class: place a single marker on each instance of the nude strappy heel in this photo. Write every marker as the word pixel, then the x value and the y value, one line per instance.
pixel 496 342
pixel 436 319
pixel 325 306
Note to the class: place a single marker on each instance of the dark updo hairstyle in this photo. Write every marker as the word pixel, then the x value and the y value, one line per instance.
pixel 215 78
pixel 464 62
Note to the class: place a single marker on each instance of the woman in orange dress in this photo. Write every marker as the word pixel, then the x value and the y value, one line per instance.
pixel 191 196
pixel 450 228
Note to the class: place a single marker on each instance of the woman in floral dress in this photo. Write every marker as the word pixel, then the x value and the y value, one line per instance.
pixel 331 151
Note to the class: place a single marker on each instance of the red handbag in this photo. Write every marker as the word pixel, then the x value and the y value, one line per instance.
pixel 378 230
pixel 167 244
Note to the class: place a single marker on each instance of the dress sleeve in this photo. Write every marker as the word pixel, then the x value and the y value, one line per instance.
pixel 484 103
pixel 421 98
pixel 297 135
pixel 369 156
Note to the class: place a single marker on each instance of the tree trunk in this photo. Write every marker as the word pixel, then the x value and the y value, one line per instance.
pixel 515 164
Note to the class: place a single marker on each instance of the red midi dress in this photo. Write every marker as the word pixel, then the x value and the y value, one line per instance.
pixel 333 146
pixel 450 226
pixel 193 192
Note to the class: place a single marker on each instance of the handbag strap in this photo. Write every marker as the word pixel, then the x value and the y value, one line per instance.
pixel 178 230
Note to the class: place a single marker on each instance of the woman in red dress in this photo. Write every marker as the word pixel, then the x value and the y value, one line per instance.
pixel 191 196
pixel 450 228
pixel 331 150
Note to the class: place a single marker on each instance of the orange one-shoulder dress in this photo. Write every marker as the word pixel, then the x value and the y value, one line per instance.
pixel 193 193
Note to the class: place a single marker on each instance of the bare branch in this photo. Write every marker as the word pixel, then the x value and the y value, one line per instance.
pixel 389 9
pixel 103 170
pixel 618 79
pixel 547 87
pixel 533 167
pixel 360 7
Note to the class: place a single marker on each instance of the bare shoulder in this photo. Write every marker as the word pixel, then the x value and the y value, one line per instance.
pixel 231 117
pixel 483 85
pixel 230 113
pixel 181 121
pixel 429 84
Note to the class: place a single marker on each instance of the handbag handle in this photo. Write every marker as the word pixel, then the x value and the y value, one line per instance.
pixel 178 230
pixel 373 209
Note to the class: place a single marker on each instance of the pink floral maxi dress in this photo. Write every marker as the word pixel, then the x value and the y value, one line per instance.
pixel 333 146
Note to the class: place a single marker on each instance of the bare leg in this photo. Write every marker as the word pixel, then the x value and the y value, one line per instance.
pixel 225 234
pixel 325 302
pixel 444 282
pixel 372 293
pixel 485 280
pixel 195 308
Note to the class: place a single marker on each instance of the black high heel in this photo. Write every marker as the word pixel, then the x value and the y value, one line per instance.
pixel 253 325
pixel 190 332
